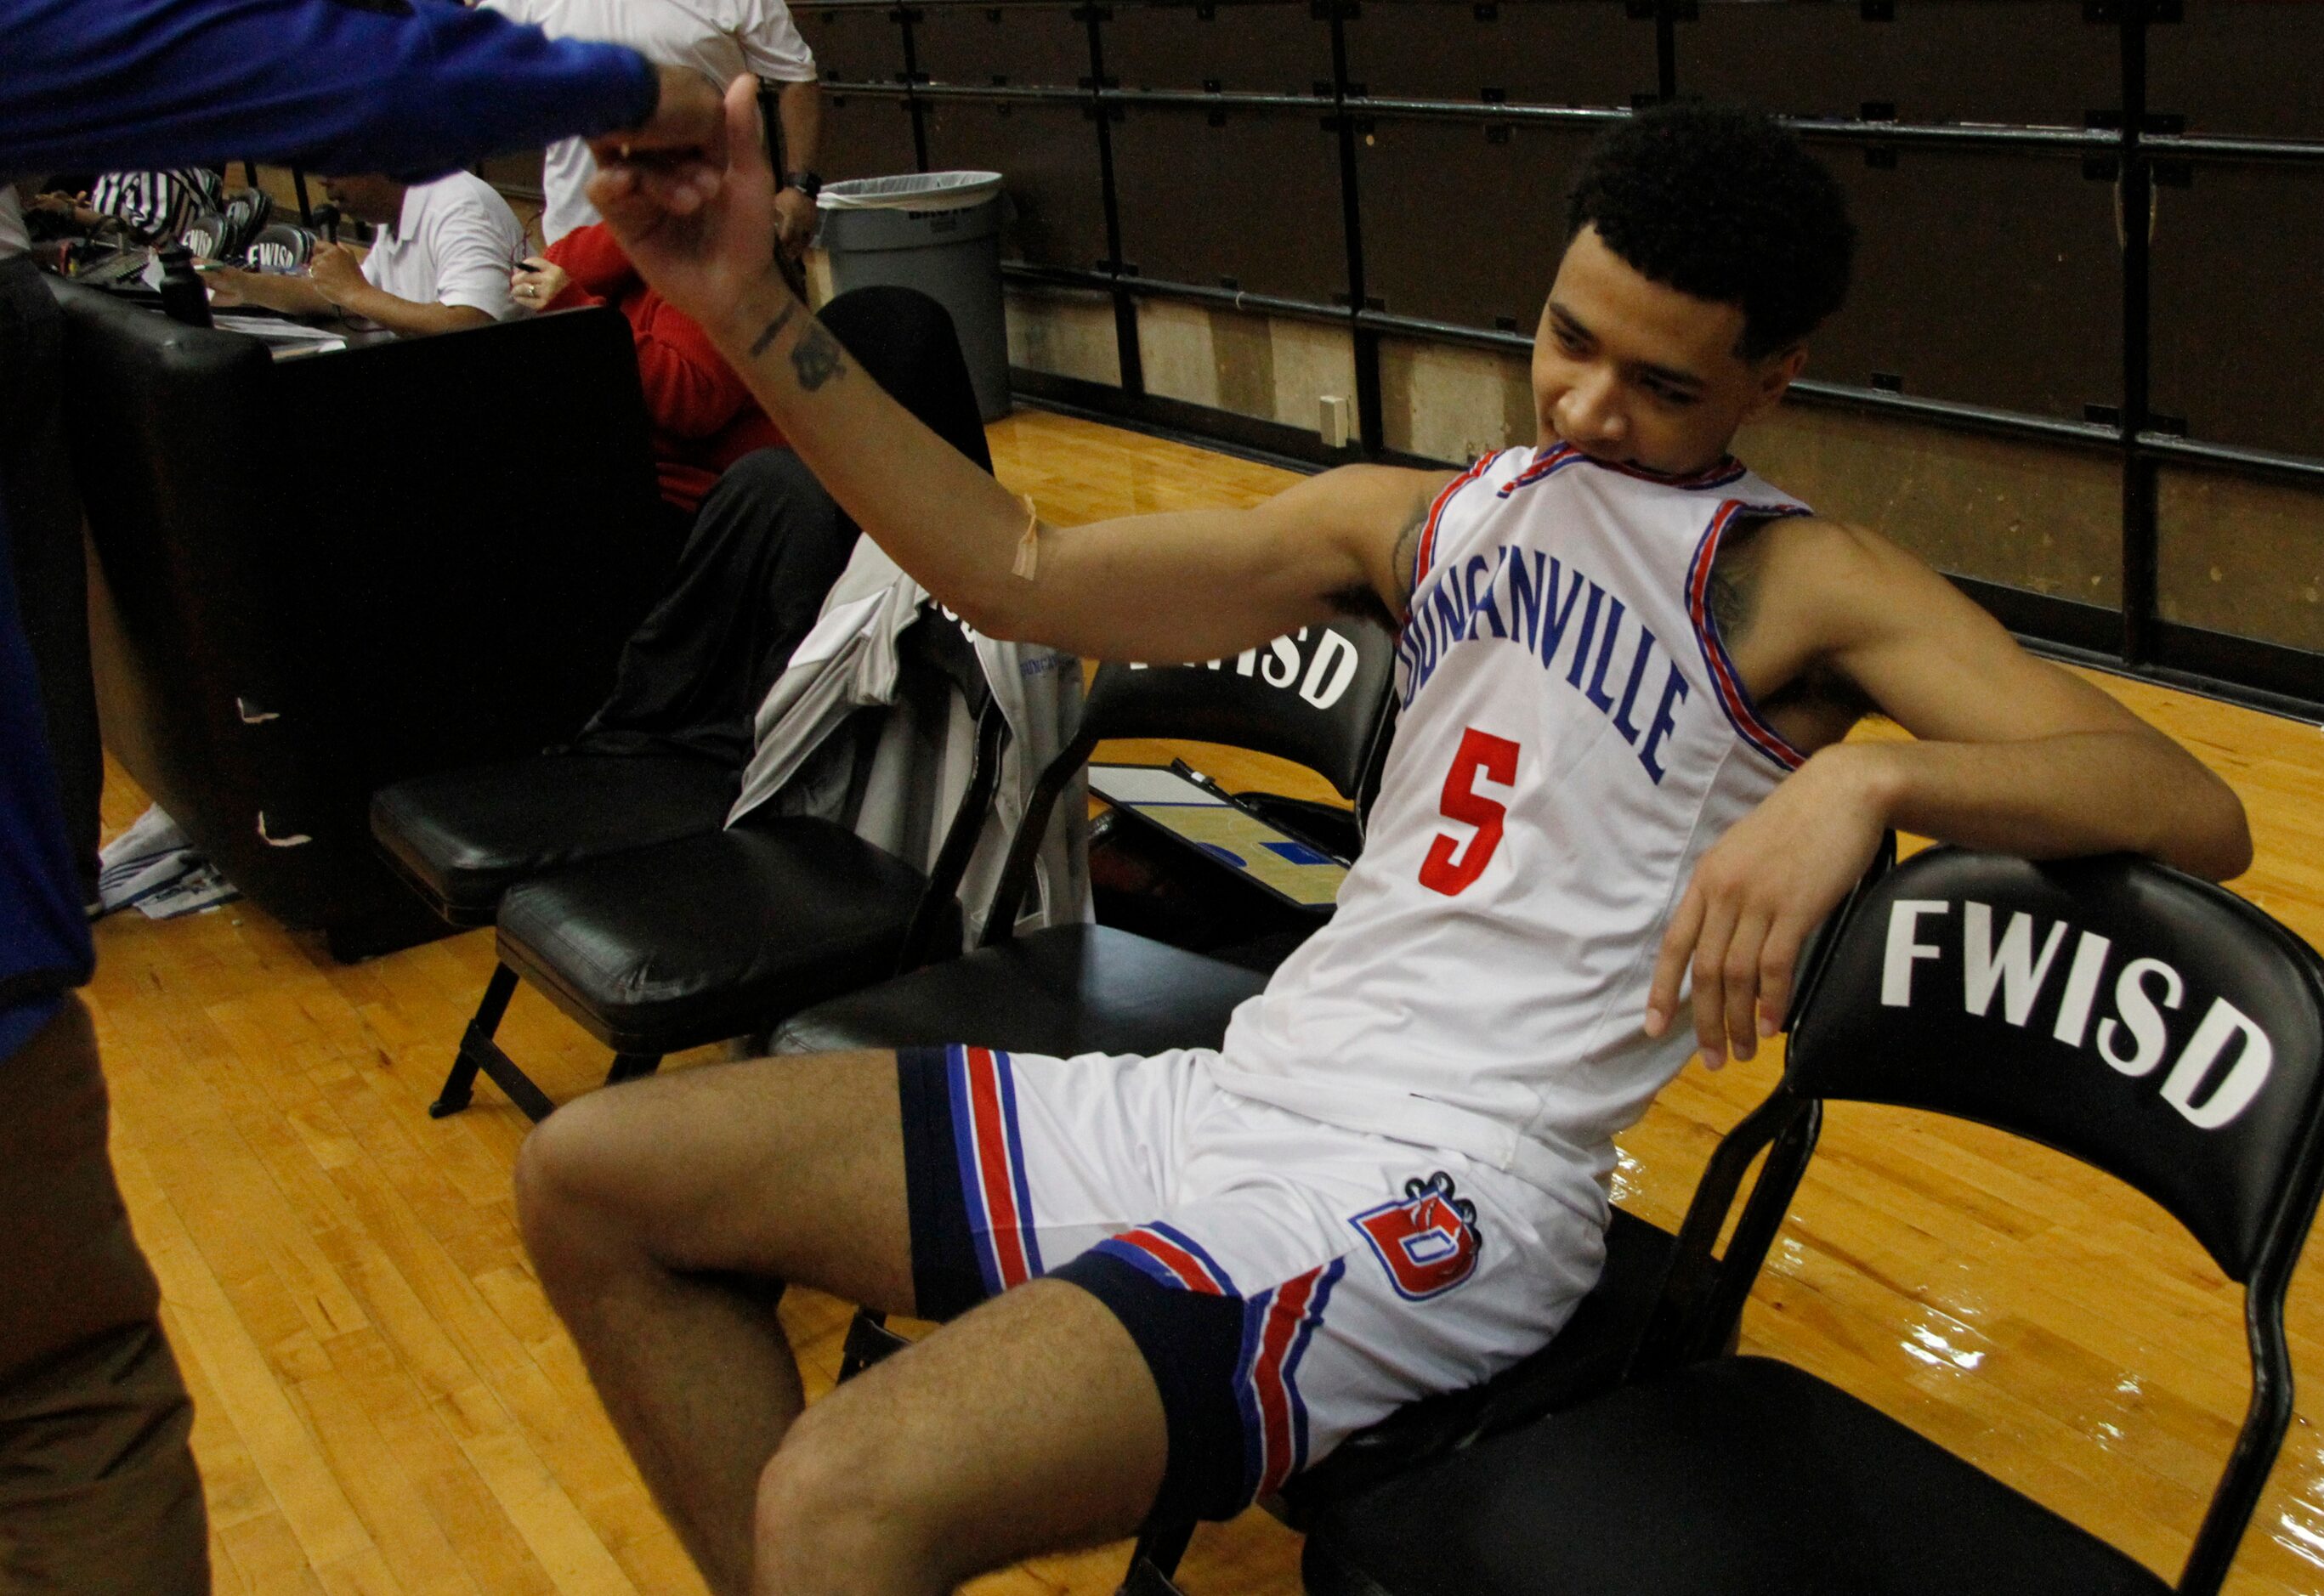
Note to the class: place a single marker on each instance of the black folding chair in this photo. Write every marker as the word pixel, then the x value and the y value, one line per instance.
pixel 461 837
pixel 2152 1025
pixel 720 935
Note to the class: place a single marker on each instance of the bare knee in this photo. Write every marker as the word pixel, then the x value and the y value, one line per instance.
pixel 835 1512
pixel 568 1175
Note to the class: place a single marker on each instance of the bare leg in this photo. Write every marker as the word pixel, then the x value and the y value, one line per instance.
pixel 1030 1424
pixel 636 1200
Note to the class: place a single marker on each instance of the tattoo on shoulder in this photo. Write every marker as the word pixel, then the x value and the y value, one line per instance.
pixel 1733 601
pixel 815 357
pixel 767 334
pixel 1735 583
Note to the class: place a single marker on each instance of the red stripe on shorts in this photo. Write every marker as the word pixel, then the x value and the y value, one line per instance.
pixel 1283 1317
pixel 1180 1262
pixel 992 1169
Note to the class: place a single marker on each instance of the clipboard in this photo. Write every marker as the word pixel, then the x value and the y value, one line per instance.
pixel 1195 812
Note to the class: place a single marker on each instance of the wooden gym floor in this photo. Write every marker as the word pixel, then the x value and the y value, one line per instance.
pixel 386 1403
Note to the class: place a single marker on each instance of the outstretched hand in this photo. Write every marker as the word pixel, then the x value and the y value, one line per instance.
pixel 1756 895
pixel 699 226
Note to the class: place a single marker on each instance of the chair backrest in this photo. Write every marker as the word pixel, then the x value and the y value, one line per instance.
pixel 1320 698
pixel 937 643
pixel 937 646
pixel 906 342
pixel 2143 1021
pixel 2150 1024
pixel 463 565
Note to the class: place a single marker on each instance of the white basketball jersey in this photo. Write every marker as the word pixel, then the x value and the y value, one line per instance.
pixel 1574 737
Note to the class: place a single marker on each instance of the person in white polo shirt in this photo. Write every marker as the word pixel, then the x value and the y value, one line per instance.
pixel 723 39
pixel 442 261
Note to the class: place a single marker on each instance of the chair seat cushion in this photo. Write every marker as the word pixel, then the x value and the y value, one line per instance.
pixel 712 935
pixel 1062 990
pixel 465 837
pixel 1587 1359
pixel 1738 1475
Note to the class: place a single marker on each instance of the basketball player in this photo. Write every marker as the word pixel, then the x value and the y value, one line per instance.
pixel 1626 666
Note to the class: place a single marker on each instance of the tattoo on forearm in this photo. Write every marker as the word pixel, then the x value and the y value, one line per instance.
pixel 815 357
pixel 767 334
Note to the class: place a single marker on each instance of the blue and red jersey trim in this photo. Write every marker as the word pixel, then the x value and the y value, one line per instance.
pixel 1728 469
pixel 1426 555
pixel 1546 465
pixel 1550 462
pixel 992 1168
pixel 1734 699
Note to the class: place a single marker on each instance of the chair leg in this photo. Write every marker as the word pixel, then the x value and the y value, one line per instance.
pixel 629 1066
pixel 460 1083
pixel 1155 1560
pixel 869 1340
pixel 478 1051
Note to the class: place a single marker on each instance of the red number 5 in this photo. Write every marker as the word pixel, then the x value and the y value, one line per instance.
pixel 1497 759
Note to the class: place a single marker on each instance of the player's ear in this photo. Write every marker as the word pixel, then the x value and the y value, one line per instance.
pixel 1773 377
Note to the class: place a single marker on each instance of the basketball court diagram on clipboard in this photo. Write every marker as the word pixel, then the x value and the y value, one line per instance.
pixel 1197 813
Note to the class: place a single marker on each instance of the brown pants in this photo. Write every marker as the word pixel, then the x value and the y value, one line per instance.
pixel 98 1488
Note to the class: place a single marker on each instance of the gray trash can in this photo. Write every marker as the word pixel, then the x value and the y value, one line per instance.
pixel 938 232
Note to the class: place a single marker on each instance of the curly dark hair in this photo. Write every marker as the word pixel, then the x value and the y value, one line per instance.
pixel 1722 204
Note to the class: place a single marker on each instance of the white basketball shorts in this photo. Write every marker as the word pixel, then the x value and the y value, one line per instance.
pixel 1288 1281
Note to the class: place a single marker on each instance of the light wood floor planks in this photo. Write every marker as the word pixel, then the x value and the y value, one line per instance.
pixel 386 1405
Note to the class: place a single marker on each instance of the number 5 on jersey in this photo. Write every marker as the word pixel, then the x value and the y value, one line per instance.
pixel 1449 868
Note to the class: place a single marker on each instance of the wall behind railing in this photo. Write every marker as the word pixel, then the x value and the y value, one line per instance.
pixel 1223 214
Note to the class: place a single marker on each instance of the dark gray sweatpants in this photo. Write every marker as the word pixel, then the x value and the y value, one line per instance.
pixel 98 1488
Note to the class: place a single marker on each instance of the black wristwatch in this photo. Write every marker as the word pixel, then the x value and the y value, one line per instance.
pixel 806 182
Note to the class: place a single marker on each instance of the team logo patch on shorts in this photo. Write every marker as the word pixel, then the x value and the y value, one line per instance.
pixel 1429 1242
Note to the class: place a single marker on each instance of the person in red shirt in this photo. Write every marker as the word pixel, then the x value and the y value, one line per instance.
pixel 761 542
pixel 703 418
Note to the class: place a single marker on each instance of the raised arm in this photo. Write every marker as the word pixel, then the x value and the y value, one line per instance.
pixel 2009 752
pixel 413 90
pixel 1192 585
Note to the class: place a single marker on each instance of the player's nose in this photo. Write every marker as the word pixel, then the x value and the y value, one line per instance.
pixel 1590 414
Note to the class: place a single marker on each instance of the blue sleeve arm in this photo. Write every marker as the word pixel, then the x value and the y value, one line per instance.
pixel 412 88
